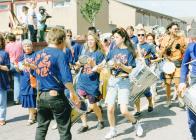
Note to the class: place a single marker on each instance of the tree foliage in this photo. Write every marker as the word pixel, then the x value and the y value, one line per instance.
pixel 90 9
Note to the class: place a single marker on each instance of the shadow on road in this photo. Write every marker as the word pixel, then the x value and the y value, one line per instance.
pixel 15 119
pixel 155 124
pixel 159 111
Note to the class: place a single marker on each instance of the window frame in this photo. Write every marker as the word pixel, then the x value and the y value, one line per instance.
pixel 66 3
pixel 8 4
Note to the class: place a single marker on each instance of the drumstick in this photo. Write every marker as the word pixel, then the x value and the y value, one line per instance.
pixel 190 62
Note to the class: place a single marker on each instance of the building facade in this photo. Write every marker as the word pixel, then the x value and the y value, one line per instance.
pixel 113 13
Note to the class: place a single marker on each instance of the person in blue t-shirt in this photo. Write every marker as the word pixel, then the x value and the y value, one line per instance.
pixel 4 80
pixel 133 38
pixel 189 59
pixel 53 75
pixel 88 81
pixel 145 54
pixel 121 60
pixel 27 89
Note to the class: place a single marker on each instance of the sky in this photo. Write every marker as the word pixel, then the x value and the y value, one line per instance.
pixel 175 8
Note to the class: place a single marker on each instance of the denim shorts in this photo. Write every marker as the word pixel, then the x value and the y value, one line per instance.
pixel 118 88
pixel 92 99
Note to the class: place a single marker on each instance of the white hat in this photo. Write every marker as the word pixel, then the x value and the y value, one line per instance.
pixel 105 36
pixel 139 26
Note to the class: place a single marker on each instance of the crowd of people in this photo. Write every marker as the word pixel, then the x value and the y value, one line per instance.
pixel 30 23
pixel 47 80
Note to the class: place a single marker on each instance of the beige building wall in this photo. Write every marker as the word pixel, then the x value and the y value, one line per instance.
pixel 121 15
pixel 63 16
pixel 4 21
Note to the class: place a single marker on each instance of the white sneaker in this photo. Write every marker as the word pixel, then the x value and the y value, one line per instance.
pixel 138 129
pixel 168 104
pixel 54 126
pixel 174 97
pixel 181 102
pixel 111 134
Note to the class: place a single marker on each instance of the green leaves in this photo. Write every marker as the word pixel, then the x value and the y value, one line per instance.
pixel 90 9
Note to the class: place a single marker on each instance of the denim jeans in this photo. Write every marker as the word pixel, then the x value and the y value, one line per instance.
pixel 192 116
pixel 33 33
pixel 3 104
pixel 16 77
pixel 57 106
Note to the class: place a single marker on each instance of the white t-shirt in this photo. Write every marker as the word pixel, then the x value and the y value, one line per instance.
pixel 25 19
pixel 33 14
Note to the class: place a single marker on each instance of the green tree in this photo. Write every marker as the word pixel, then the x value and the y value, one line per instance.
pixel 90 9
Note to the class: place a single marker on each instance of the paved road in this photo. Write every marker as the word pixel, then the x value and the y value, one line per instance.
pixel 161 124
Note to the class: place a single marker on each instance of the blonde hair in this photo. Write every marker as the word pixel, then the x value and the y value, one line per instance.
pixel 56 36
pixel 97 42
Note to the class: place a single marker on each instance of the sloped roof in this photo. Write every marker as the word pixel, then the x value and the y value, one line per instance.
pixel 128 2
pixel 189 20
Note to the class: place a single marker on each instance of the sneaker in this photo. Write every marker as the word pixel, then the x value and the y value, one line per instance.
pixel 82 129
pixel 100 125
pixel 111 134
pixel 30 122
pixel 54 126
pixel 181 103
pixel 137 114
pixel 2 122
pixel 150 109
pixel 16 103
pixel 174 97
pixel 138 129
pixel 168 104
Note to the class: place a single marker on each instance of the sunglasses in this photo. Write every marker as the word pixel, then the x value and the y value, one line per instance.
pixel 69 35
pixel 141 35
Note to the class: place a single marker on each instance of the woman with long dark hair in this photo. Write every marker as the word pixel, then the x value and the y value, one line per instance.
pixel 123 61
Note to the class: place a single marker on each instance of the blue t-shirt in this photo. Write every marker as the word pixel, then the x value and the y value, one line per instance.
pixel 52 71
pixel 121 55
pixel 134 39
pixel 89 80
pixel 69 55
pixel 5 61
pixel 25 87
pixel 190 54
pixel 148 52
pixel 77 51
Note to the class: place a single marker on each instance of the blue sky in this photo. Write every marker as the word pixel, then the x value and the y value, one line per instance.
pixel 175 8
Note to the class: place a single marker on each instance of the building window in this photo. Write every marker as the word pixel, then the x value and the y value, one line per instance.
pixel 4 7
pixel 146 20
pixel 61 3
pixel 139 18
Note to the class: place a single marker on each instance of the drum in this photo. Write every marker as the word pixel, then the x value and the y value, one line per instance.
pixel 77 112
pixel 83 59
pixel 190 98
pixel 104 77
pixel 141 78
pixel 169 67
